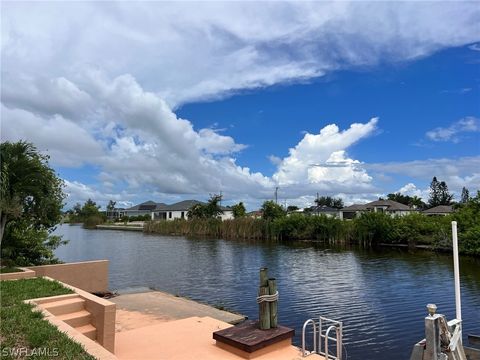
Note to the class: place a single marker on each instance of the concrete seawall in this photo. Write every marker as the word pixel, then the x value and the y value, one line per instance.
pixel 120 227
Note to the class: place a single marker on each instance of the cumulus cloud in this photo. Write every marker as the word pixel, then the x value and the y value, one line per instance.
pixel 316 158
pixel 411 189
pixel 453 132
pixel 66 142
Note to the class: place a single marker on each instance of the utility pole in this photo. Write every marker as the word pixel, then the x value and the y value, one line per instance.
pixel 276 195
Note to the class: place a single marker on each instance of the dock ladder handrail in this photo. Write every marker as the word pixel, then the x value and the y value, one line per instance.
pixel 329 325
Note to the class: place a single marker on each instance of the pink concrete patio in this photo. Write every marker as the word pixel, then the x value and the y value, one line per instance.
pixel 189 339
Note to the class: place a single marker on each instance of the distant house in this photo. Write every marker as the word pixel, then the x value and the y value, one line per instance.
pixel 390 207
pixel 441 210
pixel 257 214
pixel 145 208
pixel 352 211
pixel 324 210
pixel 179 210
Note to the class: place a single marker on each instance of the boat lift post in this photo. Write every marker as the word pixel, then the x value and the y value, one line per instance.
pixel 456 271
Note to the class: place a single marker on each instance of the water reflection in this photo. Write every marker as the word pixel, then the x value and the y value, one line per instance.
pixel 380 295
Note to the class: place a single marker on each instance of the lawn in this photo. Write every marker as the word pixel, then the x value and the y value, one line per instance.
pixel 23 332
pixel 4 270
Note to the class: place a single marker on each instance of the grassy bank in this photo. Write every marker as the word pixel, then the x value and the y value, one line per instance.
pixel 369 229
pixel 23 331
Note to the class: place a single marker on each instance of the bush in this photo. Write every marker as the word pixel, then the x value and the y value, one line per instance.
pixel 374 228
pixel 92 221
pixel 24 245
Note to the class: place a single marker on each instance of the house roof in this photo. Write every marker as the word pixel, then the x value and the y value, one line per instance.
pixel 143 206
pixel 184 205
pixel 354 207
pixel 390 204
pixel 324 208
pixel 441 209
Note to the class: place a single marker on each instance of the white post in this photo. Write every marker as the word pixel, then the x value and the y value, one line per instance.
pixel 456 269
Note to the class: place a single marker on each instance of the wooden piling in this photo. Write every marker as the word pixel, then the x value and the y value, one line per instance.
pixel 264 309
pixel 264 277
pixel 272 288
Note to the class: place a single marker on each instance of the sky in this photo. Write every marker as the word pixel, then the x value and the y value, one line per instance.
pixel 166 101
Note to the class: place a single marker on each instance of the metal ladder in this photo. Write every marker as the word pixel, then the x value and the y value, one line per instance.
pixel 328 325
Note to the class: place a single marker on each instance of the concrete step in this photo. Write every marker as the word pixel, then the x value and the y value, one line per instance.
pixel 65 306
pixel 88 330
pixel 76 319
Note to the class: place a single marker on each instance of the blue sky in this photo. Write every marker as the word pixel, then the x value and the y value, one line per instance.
pixel 168 101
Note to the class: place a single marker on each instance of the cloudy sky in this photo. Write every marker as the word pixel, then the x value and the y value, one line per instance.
pixel 167 101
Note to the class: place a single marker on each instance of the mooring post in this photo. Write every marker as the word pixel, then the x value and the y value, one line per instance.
pixel 264 307
pixel 264 277
pixel 272 287
pixel 433 349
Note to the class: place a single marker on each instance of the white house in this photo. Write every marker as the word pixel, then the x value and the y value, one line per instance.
pixel 179 210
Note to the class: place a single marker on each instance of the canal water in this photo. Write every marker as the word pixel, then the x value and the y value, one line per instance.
pixel 380 295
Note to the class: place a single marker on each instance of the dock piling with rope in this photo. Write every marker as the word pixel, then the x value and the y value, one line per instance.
pixel 267 301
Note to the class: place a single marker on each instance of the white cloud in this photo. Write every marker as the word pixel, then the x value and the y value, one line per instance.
pixel 475 47
pixel 189 51
pixel 66 142
pixel 457 172
pixel 411 189
pixel 313 159
pixel 452 132
pixel 79 192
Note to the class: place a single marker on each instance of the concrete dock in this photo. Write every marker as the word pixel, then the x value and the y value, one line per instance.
pixel 136 310
pixel 188 339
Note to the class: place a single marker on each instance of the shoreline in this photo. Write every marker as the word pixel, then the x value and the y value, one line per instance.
pixel 119 227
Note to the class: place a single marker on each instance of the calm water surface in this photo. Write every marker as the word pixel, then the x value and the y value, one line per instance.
pixel 379 295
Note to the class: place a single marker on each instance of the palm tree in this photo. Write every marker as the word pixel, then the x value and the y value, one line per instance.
pixel 29 187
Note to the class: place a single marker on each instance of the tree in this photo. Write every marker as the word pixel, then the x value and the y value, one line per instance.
pixel 413 201
pixel 197 211
pixel 271 210
pixel 90 208
pixel 77 209
pixel 213 209
pixel 209 210
pixel 31 194
pixel 291 208
pixel 445 196
pixel 465 196
pixel 239 210
pixel 439 194
pixel 417 202
pixel 434 199
pixel 329 201
pixel 111 207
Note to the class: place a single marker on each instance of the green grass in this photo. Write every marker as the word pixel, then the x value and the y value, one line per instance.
pixel 21 327
pixel 6 269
